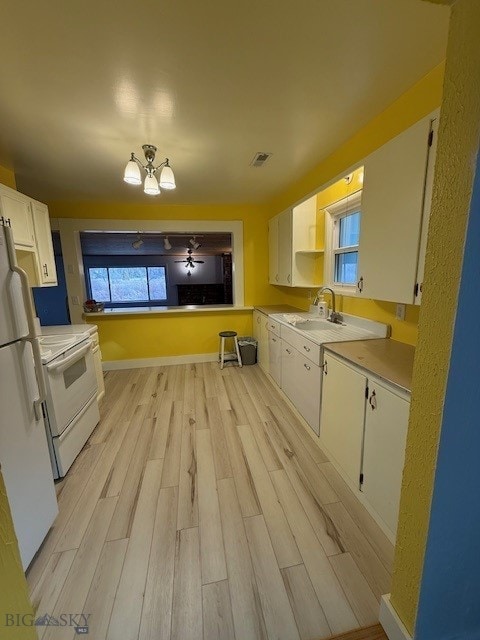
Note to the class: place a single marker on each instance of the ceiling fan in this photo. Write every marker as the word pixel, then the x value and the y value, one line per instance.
pixel 190 262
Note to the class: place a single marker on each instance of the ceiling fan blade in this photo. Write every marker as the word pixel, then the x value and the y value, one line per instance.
pixel 200 261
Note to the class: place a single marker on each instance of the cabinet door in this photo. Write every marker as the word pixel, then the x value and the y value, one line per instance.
pixel 392 204
pixel 308 380
pixel 274 356
pixel 289 383
pixel 273 251
pixel 16 207
pixel 342 415
pixel 432 155
pixel 386 424
pixel 43 238
pixel 260 334
pixel 285 248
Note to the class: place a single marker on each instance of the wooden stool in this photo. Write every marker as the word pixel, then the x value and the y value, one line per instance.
pixel 233 356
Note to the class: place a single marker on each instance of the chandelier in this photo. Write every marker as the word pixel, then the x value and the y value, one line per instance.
pixel 151 187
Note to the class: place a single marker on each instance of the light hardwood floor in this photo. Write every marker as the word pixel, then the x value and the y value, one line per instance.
pixel 202 508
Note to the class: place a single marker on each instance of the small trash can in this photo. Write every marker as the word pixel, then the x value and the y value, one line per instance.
pixel 248 349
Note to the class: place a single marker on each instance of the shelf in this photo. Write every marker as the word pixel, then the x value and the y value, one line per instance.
pixel 311 251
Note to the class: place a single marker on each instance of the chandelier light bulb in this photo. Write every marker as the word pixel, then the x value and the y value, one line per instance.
pixel 150 186
pixel 132 173
pixel 167 179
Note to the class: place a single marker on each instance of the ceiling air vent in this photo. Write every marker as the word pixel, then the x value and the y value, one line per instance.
pixel 259 159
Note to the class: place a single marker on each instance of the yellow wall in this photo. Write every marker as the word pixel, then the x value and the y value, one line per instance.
pixel 458 145
pixel 420 100
pixel 13 586
pixel 7 177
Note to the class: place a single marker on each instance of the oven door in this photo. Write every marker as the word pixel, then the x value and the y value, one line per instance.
pixel 71 382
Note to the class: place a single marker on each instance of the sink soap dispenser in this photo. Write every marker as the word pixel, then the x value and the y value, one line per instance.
pixel 322 308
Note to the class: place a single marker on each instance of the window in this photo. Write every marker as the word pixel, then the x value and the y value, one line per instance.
pixel 117 285
pixel 343 237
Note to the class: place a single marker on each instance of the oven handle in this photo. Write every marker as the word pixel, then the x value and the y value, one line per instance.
pixel 61 366
pixel 32 336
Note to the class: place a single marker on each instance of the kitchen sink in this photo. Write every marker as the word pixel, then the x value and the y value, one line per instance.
pixel 316 325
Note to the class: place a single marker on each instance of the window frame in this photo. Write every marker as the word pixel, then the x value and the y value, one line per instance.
pixel 333 214
pixel 151 302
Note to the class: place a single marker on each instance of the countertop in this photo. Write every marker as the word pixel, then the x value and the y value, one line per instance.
pixel 278 308
pixel 142 311
pixel 388 359
pixel 66 329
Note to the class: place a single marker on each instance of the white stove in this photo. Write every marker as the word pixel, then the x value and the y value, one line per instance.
pixel 71 407
pixel 51 346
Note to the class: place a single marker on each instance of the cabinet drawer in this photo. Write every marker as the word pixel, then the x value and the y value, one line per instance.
pixel 305 346
pixel 273 326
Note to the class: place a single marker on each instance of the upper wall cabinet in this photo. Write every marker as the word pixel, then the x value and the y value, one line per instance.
pixel 292 252
pixel 43 235
pixel 32 235
pixel 16 208
pixel 395 211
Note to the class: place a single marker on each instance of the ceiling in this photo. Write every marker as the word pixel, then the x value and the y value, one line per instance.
pixel 120 244
pixel 209 83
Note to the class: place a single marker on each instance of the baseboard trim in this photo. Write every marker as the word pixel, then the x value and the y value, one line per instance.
pixel 393 626
pixel 112 365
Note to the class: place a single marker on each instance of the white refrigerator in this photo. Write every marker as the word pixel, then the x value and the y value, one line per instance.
pixel 24 457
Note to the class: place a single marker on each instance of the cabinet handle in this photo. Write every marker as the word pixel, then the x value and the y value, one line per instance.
pixel 289 278
pixel 307 367
pixel 306 348
pixel 258 320
pixel 276 278
pixel 45 269
pixel 360 284
pixel 274 340
pixel 372 401
pixel 288 351
pixel 325 368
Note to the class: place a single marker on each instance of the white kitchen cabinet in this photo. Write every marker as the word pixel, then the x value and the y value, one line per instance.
pixel 287 364
pixel 391 219
pixel 97 359
pixel 260 333
pixel 16 208
pixel 363 427
pixel 308 381
pixel 273 250
pixel 47 272
pixel 32 235
pixel 426 210
pixel 386 423
pixel 342 415
pixel 275 356
pixel 292 252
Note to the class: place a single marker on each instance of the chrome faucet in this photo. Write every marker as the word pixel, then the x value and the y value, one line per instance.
pixel 335 317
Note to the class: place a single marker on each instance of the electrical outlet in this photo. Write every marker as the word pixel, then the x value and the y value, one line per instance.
pixel 400 312
pixel 75 300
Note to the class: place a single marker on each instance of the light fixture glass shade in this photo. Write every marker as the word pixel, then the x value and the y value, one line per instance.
pixel 132 173
pixel 167 179
pixel 151 186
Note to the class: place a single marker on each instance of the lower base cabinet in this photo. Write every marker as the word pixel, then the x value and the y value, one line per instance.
pixel 308 380
pixel 260 333
pixel 386 423
pixel 363 427
pixel 274 357
pixel 342 415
